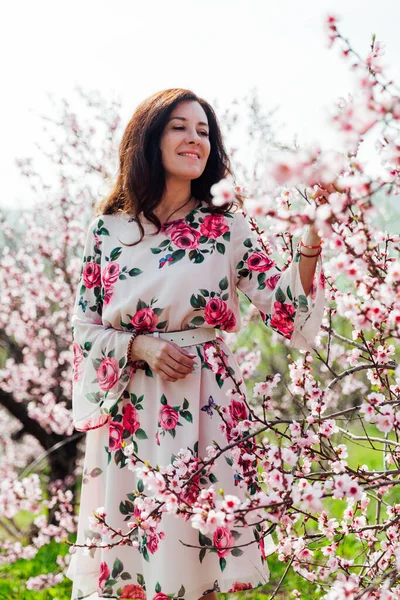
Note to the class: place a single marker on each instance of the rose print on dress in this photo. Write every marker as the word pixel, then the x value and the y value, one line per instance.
pixel 196 238
pixel 168 417
pixel 145 318
pixel 255 261
pixel 283 312
pixel 124 426
pixel 159 595
pixel 108 580
pixel 102 282
pixel 215 308
pixel 221 543
pixel 108 370
pixel 113 273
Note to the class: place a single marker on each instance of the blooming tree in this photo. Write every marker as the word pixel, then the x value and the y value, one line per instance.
pixel 295 464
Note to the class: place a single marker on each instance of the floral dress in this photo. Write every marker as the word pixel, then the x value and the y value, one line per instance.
pixel 185 276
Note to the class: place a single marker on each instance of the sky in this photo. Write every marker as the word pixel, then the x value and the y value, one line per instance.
pixel 221 49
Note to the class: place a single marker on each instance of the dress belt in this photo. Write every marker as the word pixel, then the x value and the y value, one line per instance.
pixel 187 337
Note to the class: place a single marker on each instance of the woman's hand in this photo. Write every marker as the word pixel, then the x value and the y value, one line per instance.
pixel 167 359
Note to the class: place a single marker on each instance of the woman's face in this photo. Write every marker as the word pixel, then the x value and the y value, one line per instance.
pixel 185 143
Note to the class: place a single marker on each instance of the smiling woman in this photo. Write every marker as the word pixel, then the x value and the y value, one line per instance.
pixel 152 378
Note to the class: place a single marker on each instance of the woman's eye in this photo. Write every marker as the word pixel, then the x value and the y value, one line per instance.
pixel 178 128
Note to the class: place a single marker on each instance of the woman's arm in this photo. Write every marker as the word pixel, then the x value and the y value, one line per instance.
pixel 308 263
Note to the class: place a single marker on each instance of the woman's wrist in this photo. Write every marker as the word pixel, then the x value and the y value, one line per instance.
pixel 134 348
pixel 310 244
pixel 311 237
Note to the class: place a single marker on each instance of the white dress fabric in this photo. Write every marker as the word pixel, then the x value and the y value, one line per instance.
pixel 186 276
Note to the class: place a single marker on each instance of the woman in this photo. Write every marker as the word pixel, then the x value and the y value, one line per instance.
pixel 160 270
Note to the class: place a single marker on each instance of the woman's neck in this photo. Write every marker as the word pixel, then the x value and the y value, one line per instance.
pixel 177 195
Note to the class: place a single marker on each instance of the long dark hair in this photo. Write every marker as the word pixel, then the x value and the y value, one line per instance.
pixel 140 181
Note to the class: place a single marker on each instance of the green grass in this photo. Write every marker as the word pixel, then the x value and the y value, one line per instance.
pixel 14 576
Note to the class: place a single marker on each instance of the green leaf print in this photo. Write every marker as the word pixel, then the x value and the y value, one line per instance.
pixel 187 415
pixel 118 567
pixel 236 534
pixel 197 321
pixel 289 293
pixel 205 293
pixel 115 253
pixel 87 346
pixel 279 295
pixel 220 248
pixel 303 304
pixel 177 255
pixel 122 362
pixel 122 508
pixel 163 399
pixel 140 304
pixel 222 563
pixel 181 592
pixel 223 284
pixel 125 575
pixel 237 552
pixel 134 272
pixel 227 236
pixel 194 301
pixel 141 434
pixel 204 540
pixel 158 588
pixel 185 404
pixel 96 472
pixel 94 398
pixel 202 554
pixel 146 554
pixel 247 242
pixel 198 258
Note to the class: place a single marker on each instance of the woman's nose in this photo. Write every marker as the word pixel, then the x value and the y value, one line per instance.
pixel 193 137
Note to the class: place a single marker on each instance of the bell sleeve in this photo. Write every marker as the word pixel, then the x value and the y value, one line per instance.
pixel 277 293
pixel 101 369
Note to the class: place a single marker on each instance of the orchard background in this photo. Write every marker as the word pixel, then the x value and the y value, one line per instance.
pixel 326 429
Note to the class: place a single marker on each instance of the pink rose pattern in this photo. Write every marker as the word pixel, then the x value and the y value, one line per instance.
pixel 124 426
pixel 168 417
pixel 254 262
pixel 197 239
pixel 214 308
